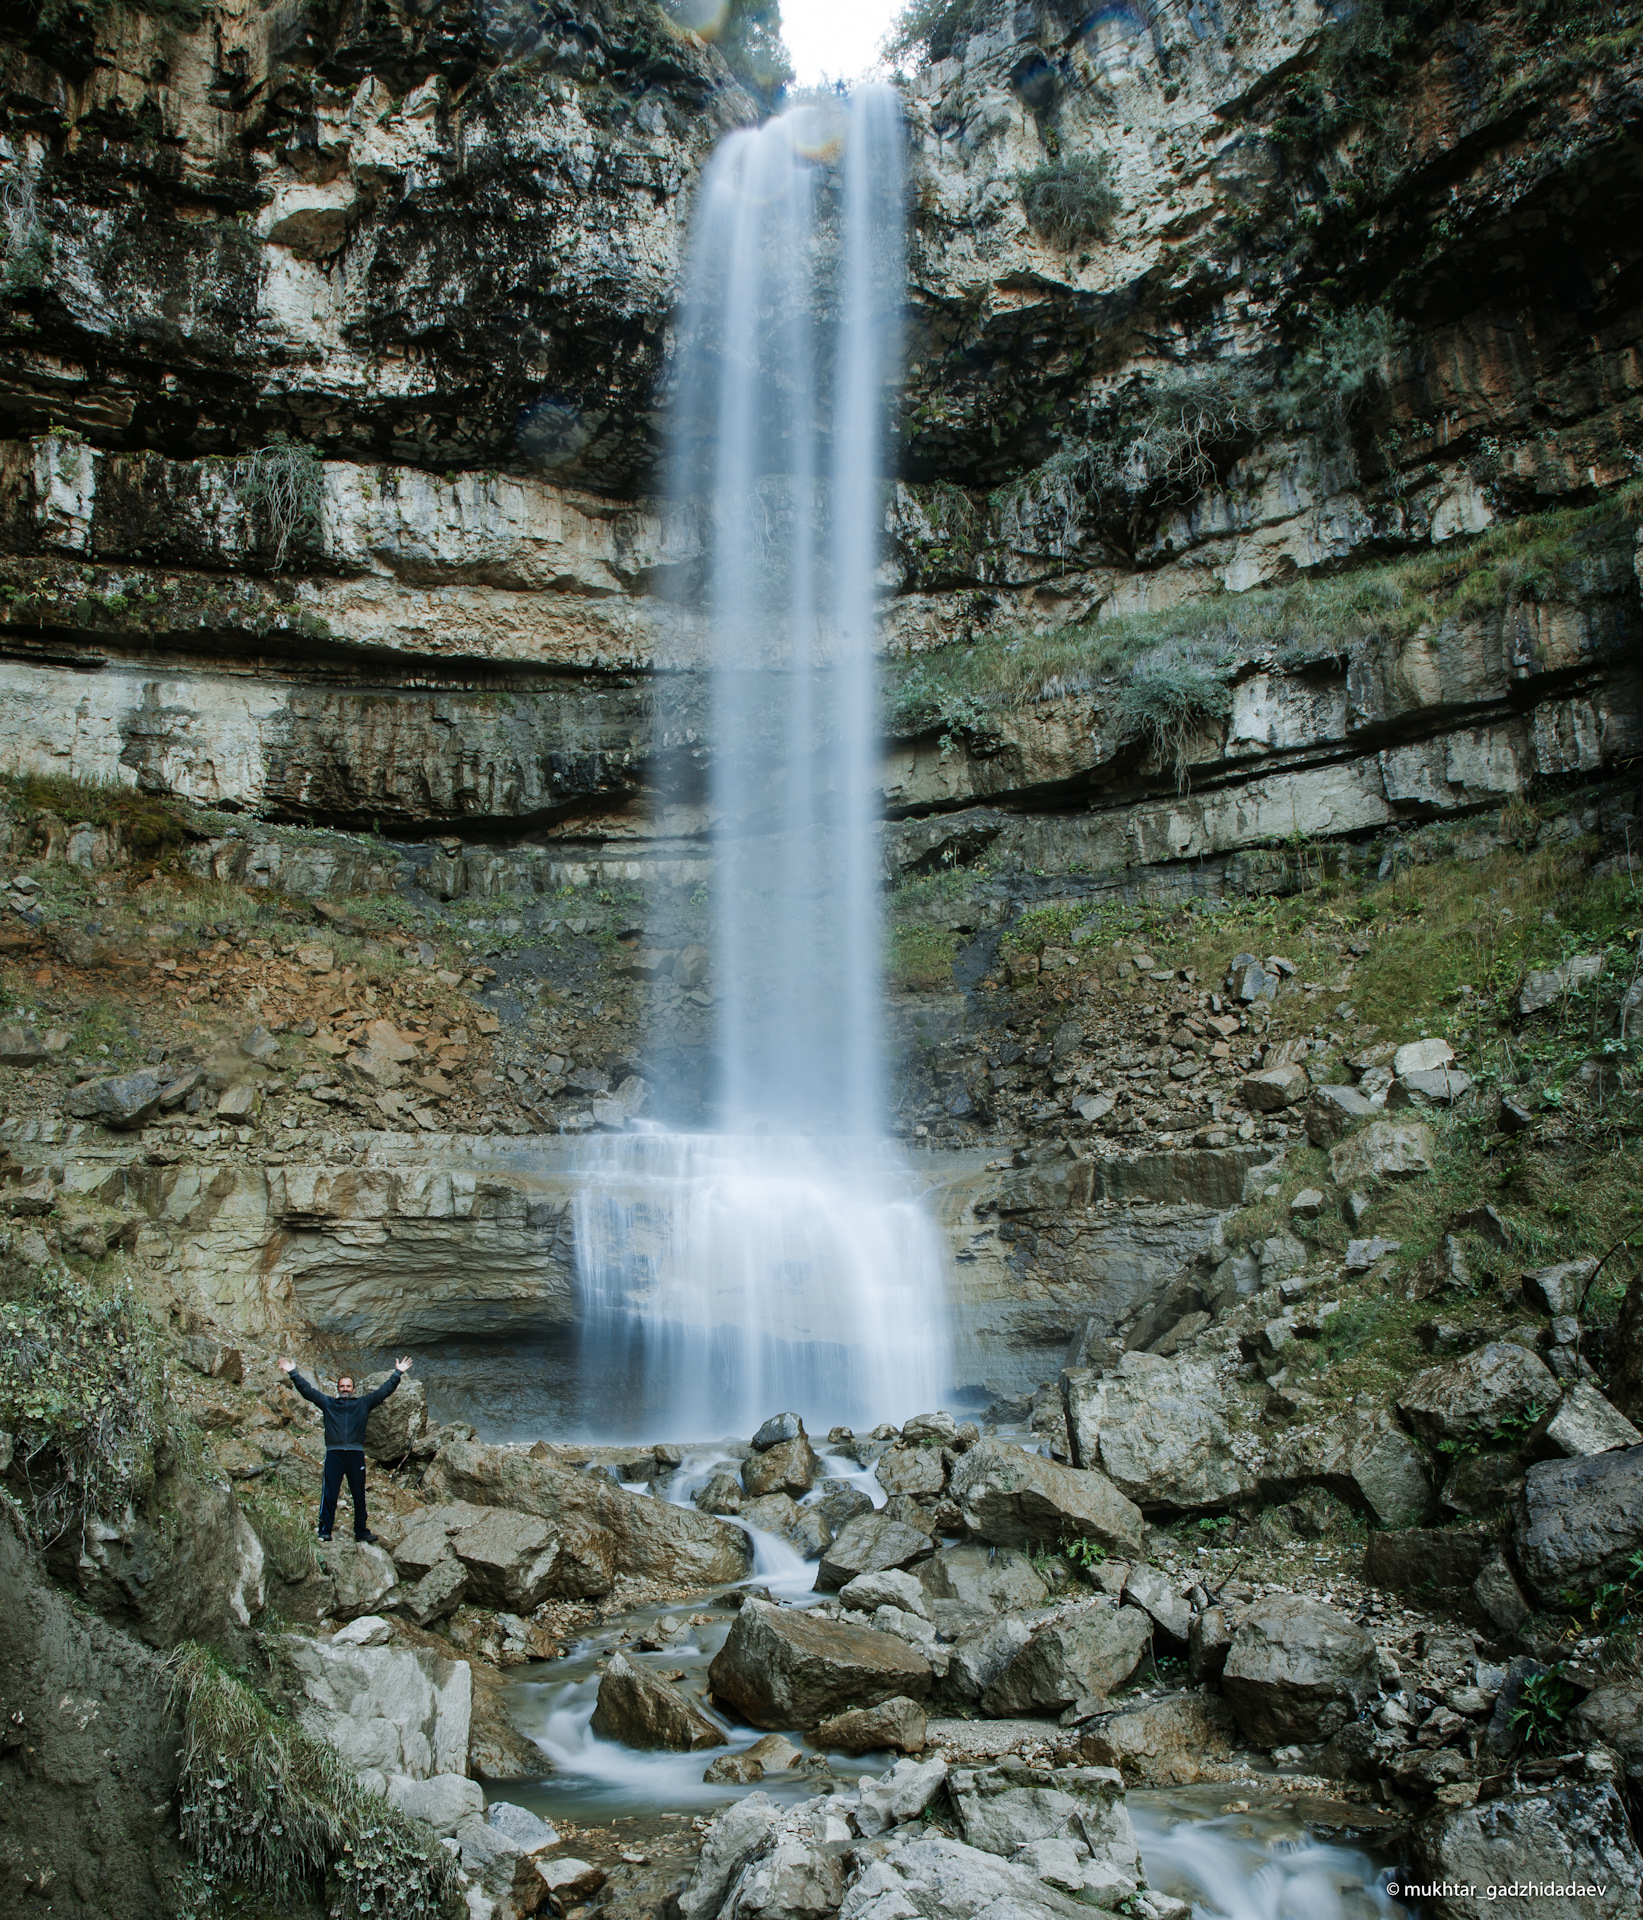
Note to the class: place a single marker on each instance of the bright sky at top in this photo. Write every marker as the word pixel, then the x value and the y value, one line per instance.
pixel 835 39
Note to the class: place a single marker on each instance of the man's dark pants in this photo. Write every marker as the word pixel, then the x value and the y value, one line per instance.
pixel 338 1463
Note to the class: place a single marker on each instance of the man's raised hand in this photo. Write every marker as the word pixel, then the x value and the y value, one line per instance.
pixel 288 1366
pixel 404 1365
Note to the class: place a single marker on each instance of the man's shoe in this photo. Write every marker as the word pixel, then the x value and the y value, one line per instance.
pixel 326 1538
pixel 365 1539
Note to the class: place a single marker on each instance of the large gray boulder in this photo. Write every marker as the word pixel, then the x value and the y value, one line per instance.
pixel 1157 1429
pixel 1578 1522
pixel 911 1470
pixel 511 1559
pixel 1383 1150
pixel 118 1100
pixel 640 1709
pixel 1477 1393
pixel 990 1579
pixel 1003 1808
pixel 1297 1671
pixel 782 1667
pixel 1175 1741
pixel 396 1710
pixel 1364 1457
pixel 1561 1836
pixel 898 1725
pixel 790 1467
pixel 929 1877
pixel 648 1538
pixel 1011 1498
pixel 869 1544
pixel 1586 1423
pixel 981 1655
pixel 1332 1111
pixel 1071 1662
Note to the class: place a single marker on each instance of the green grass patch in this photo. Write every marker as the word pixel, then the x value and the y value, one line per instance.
pixel 152 830
pixel 921 958
pixel 1540 557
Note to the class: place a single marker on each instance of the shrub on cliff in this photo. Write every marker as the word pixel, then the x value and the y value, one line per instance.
pixel 267 1808
pixel 1169 704
pixel 80 1392
pixel 933 29
pixel 1070 201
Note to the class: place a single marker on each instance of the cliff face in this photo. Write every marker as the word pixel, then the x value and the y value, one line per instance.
pixel 334 349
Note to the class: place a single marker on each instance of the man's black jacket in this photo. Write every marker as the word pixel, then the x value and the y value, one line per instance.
pixel 345 1419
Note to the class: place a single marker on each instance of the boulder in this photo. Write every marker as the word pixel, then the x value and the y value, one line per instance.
pixel 870 1543
pixel 900 1795
pixel 526 1830
pixel 1005 1808
pixel 1149 1590
pixel 1384 1150
pixel 1364 1457
pixel 444 1801
pixel 1478 1393
pixel 994 1579
pixel 511 1560
pixel 1612 1716
pixel 362 1578
pixel 1499 1596
pixel 731 1840
pixel 1157 1429
pixel 914 1470
pixel 1175 1741
pixel 780 1667
pixel 640 1709
pixel 722 1494
pixel 1424 1556
pixel 651 1539
pixel 1421 1056
pixel 1441 1088
pixel 1567 1835
pixel 981 1655
pixel 505 1872
pixel 789 1467
pixel 1586 1423
pixel 1558 1290
pixel 397 1710
pixel 1361 1255
pixel 1071 1662
pixel 1479 1483
pixel 569 1881
pixel 1209 1641
pixel 1011 1498
pixel 1545 986
pixel 929 1877
pixel 838 1503
pixel 890 1588
pixel 118 1100
pixel 896 1725
pixel 1274 1088
pixel 1297 1671
pixel 1332 1110
pixel 942 1428
pixel 439 1592
pixel 776 1431
pixel 1248 981
pixel 1579 1521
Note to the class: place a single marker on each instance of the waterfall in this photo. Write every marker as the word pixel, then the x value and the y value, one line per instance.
pixel 782 1260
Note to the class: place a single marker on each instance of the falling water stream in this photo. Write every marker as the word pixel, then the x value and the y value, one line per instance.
pixel 781 1260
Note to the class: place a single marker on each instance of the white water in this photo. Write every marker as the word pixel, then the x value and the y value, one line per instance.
pixel 1256 1865
pixel 781 1262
